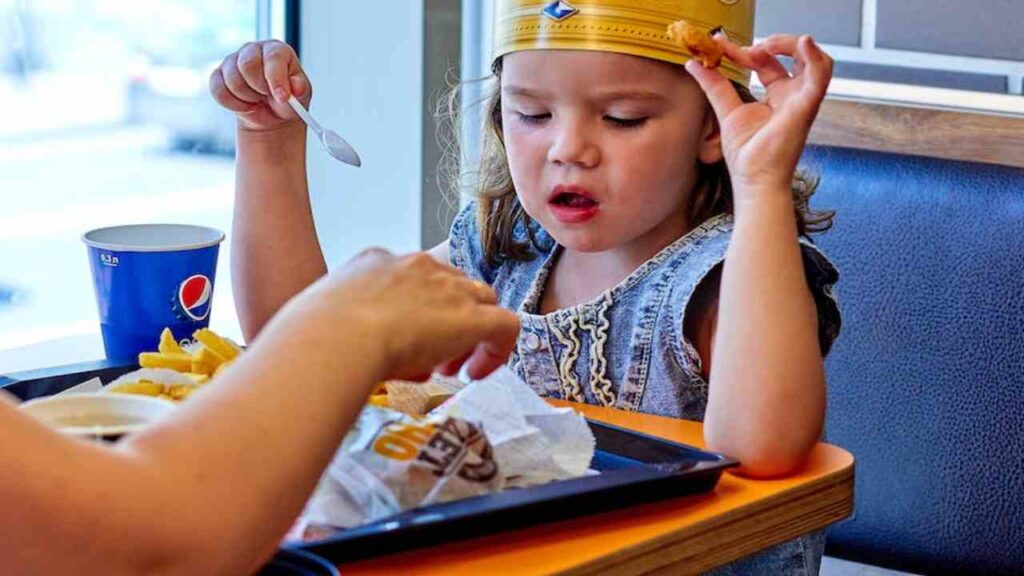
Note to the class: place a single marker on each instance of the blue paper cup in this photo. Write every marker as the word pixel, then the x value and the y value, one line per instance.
pixel 148 277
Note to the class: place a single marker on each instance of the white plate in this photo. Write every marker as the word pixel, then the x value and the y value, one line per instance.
pixel 98 414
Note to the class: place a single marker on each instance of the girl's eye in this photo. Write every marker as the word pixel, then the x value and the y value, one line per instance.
pixel 626 122
pixel 532 118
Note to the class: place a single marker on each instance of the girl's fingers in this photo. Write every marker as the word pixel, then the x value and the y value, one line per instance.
pixel 805 53
pixel 224 97
pixel 769 69
pixel 755 58
pixel 780 45
pixel 236 83
pixel 279 65
pixel 250 66
pixel 734 52
pixel 817 64
pixel 720 91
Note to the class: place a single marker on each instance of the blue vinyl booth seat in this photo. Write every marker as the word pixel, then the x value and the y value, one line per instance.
pixel 926 382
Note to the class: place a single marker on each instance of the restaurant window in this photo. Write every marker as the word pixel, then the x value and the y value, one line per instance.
pixel 951 55
pixel 107 120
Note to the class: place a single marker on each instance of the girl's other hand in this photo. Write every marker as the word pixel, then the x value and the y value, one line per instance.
pixel 763 141
pixel 255 83
pixel 423 315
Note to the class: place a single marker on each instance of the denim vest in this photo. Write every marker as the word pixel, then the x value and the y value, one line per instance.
pixel 626 349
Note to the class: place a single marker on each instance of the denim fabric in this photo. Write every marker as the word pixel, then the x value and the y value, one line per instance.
pixel 626 348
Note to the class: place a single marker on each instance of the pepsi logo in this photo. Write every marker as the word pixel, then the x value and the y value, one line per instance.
pixel 194 297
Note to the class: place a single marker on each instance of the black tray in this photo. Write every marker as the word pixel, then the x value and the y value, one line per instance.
pixel 297 563
pixel 633 468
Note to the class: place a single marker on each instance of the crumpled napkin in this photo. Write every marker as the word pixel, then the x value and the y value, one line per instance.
pixel 533 442
pixel 496 433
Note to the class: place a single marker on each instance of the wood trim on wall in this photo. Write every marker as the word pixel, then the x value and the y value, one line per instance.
pixel 937 133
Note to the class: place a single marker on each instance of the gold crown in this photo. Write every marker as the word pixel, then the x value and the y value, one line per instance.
pixel 636 27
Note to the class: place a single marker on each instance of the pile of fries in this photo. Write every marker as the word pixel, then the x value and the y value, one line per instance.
pixel 174 372
pixel 209 356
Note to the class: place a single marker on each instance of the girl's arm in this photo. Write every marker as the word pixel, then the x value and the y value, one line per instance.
pixel 766 403
pixel 275 252
pixel 214 488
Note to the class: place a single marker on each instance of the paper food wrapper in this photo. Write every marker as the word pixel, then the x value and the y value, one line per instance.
pixel 533 442
pixel 494 434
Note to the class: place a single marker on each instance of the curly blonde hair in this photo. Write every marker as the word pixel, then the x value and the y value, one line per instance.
pixel 499 212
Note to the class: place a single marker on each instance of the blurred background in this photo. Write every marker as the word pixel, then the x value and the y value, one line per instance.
pixel 106 120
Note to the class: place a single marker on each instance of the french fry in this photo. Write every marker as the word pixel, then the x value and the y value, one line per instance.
pixel 179 392
pixel 205 361
pixel 179 362
pixel 141 388
pixel 200 379
pixel 211 355
pixel 221 346
pixel 168 345
pixel 378 400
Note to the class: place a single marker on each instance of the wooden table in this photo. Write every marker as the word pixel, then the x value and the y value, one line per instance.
pixel 683 536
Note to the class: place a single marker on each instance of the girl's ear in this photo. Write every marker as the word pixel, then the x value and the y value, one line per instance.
pixel 709 150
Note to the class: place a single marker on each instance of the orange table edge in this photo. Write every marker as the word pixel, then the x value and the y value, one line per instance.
pixel 687 535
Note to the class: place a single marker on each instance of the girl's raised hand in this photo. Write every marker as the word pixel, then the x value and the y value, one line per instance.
pixel 255 82
pixel 763 141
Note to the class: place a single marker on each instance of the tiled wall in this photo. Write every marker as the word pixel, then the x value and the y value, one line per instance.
pixel 962 44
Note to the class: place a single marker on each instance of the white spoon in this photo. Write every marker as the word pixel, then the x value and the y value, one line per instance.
pixel 334 144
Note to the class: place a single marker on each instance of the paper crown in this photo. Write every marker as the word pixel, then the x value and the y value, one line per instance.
pixel 636 27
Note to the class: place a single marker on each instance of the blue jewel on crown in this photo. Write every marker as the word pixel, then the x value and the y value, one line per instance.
pixel 560 10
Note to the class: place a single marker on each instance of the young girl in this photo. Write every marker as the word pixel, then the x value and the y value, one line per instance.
pixel 639 211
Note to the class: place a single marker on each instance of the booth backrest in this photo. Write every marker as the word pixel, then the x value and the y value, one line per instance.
pixel 926 381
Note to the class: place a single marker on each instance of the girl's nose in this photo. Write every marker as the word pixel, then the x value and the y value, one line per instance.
pixel 572 146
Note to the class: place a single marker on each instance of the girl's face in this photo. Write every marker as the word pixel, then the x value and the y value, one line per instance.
pixel 604 148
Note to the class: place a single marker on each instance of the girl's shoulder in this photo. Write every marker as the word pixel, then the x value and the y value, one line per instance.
pixel 699 259
pixel 466 247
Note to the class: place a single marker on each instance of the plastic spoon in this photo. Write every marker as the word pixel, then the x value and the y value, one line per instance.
pixel 334 144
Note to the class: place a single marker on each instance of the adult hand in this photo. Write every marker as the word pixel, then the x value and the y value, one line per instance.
pixel 422 314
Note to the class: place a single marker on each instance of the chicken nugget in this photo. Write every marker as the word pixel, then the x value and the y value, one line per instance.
pixel 698 41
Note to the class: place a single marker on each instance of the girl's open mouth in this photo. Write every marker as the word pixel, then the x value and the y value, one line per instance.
pixel 572 204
